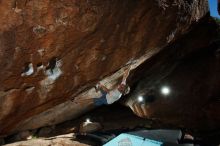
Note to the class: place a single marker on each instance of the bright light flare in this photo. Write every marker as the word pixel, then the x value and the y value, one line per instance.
pixel 88 120
pixel 165 90
pixel 140 99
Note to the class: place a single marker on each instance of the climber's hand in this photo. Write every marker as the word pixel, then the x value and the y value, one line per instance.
pixel 97 87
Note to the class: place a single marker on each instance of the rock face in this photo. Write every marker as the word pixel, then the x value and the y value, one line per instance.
pixel 190 68
pixel 53 50
pixel 62 140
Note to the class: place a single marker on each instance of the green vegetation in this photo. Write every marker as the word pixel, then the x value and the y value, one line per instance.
pixel 34 137
pixel 217 20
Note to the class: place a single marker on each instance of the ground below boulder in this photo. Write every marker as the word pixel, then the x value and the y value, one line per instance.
pixel 61 140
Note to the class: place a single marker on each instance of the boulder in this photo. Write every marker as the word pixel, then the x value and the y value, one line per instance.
pixel 22 135
pixel 51 51
pixel 87 127
pixel 61 140
pixel 45 131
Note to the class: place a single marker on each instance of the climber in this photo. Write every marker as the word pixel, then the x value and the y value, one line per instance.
pixel 109 96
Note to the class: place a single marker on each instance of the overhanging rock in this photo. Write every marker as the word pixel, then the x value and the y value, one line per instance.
pixel 50 50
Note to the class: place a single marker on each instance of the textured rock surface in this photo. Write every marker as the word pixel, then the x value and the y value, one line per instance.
pixel 62 140
pixel 53 50
pixel 68 110
pixel 190 68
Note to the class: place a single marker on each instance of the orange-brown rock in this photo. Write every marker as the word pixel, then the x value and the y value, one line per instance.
pixel 53 50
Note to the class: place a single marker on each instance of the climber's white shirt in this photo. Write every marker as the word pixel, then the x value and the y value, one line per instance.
pixel 113 96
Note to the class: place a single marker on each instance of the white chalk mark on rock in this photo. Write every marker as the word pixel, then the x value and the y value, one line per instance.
pixel 29 70
pixel 52 73
pixel 39 30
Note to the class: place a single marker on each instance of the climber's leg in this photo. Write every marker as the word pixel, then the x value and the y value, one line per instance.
pixel 96 101
pixel 83 101
pixel 101 100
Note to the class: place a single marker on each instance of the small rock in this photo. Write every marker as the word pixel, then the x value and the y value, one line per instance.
pixel 45 131
pixel 24 134
pixel 20 136
pixel 87 127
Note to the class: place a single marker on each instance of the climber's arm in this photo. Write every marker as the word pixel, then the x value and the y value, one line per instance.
pixel 126 74
pixel 104 88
